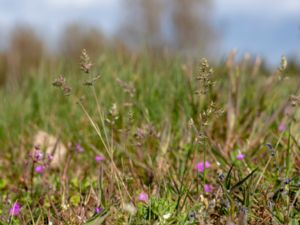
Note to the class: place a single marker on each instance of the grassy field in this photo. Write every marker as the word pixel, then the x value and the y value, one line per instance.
pixel 148 140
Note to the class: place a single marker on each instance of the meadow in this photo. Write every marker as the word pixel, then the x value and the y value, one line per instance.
pixel 143 139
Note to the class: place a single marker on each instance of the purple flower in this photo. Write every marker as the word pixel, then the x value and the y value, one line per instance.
pixel 281 127
pixel 79 148
pixel 98 210
pixel 208 188
pixel 50 157
pixel 39 169
pixel 240 156
pixel 200 166
pixel 15 209
pixel 38 155
pixel 99 158
pixel 143 197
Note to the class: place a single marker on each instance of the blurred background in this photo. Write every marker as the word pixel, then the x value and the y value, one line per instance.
pixel 35 30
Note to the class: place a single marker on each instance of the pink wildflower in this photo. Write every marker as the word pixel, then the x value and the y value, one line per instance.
pixel 39 169
pixel 79 148
pixel 281 127
pixel 15 209
pixel 208 188
pixel 50 157
pixel 98 210
pixel 143 197
pixel 99 158
pixel 200 166
pixel 240 156
pixel 38 155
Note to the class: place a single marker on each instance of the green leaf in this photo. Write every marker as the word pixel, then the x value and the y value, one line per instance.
pixel 243 180
pixel 97 220
pixel 228 178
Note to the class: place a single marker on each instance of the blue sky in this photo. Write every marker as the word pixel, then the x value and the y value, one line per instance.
pixel 269 28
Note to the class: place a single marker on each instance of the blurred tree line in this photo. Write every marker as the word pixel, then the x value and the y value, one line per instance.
pixel 26 51
pixel 180 27
pixel 159 27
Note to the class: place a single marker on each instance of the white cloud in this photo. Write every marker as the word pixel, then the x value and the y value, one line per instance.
pixel 267 8
pixel 82 3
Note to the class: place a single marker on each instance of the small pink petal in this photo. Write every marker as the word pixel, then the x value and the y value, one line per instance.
pixel 50 157
pixel 143 197
pixel 98 210
pixel 39 169
pixel 79 148
pixel 99 158
pixel 281 127
pixel 38 155
pixel 15 209
pixel 208 188
pixel 207 164
pixel 240 156
pixel 200 166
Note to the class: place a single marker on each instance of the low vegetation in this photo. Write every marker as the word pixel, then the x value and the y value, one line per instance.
pixel 132 139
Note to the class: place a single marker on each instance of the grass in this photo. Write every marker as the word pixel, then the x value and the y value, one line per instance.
pixel 152 120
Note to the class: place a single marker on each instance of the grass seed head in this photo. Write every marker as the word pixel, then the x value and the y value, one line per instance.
pixel 85 63
pixel 205 77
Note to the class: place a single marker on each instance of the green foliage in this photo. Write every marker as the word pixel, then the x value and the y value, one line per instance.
pixel 153 120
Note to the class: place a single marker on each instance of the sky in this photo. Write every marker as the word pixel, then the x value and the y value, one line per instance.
pixel 270 28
